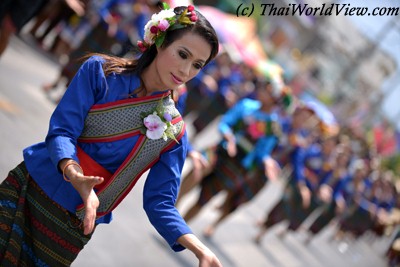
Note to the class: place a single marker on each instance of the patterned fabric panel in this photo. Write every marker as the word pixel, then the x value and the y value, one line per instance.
pixel 123 118
pixel 141 158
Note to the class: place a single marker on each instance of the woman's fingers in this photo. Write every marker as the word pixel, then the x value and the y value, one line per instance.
pixel 91 205
pixel 94 180
pixel 84 185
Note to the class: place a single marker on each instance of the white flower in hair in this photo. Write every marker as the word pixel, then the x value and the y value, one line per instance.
pixel 155 30
pixel 158 19
pixel 163 14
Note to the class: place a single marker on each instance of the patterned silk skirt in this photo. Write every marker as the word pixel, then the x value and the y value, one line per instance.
pixel 34 230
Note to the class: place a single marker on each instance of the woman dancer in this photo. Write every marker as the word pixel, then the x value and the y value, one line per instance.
pixel 115 121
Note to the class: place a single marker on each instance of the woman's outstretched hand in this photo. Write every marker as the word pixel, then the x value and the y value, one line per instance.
pixel 209 260
pixel 84 185
pixel 206 257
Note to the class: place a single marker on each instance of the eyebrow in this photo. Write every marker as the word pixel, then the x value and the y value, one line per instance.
pixel 190 53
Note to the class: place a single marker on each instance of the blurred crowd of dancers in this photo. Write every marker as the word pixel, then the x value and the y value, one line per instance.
pixel 267 133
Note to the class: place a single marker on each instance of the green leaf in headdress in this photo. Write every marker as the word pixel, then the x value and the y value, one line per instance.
pixel 165 6
pixel 184 19
pixel 184 13
pixel 176 26
pixel 160 39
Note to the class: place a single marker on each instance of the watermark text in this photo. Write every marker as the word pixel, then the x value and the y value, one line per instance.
pixel 348 9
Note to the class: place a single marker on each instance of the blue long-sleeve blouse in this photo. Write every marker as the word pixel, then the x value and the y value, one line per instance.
pixel 318 164
pixel 248 111
pixel 90 86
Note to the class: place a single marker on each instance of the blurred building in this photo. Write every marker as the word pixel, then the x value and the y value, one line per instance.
pixel 328 56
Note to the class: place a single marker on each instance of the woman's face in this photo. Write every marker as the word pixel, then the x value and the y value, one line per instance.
pixel 181 60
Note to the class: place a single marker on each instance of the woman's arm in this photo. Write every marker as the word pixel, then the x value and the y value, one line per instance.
pixel 159 196
pixel 160 192
pixel 67 120
pixel 66 125
pixel 206 257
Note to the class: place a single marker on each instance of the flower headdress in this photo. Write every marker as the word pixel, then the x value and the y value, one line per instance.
pixel 166 20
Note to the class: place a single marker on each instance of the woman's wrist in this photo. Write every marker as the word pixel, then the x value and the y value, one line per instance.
pixel 192 243
pixel 206 257
pixel 69 168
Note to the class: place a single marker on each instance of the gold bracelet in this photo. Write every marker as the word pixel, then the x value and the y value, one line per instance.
pixel 65 167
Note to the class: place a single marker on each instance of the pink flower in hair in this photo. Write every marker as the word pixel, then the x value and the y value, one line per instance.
pixel 193 18
pixel 141 46
pixel 154 29
pixel 163 25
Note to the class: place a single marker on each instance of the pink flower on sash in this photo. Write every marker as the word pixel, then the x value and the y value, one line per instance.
pixel 155 126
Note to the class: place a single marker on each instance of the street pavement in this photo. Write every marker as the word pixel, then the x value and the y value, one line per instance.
pixel 130 240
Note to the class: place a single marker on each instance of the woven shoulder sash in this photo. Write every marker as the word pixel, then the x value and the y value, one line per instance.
pixel 120 120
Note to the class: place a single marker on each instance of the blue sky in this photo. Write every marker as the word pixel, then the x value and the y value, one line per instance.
pixel 371 26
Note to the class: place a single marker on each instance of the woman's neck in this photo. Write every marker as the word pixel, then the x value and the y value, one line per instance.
pixel 151 81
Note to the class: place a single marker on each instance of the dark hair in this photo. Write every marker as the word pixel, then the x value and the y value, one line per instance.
pixel 202 27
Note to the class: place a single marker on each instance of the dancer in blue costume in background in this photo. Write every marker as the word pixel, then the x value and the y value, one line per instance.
pixel 356 206
pixel 315 166
pixel 241 162
pixel 297 137
pixel 329 194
